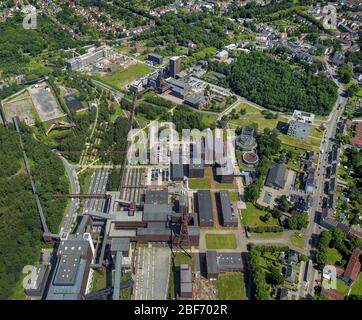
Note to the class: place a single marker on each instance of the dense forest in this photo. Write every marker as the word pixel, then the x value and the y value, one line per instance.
pixel 20 229
pixel 277 85
pixel 19 45
pixel 201 28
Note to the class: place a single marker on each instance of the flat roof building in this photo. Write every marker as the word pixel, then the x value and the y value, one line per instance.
pixel 37 281
pixel 92 56
pixel 196 100
pixel 185 281
pixel 220 262
pixel 155 58
pixel 228 218
pixel 156 197
pixel 303 116
pixel 299 129
pixel 277 176
pixel 206 218
pixel 70 280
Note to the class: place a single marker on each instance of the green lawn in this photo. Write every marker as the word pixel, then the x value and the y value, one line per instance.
pixel 224 186
pixel 124 294
pixel 259 119
pixel 266 235
pixel 250 110
pixel 233 196
pixel 357 286
pixel 181 258
pixel 120 79
pixel 221 241
pixel 99 279
pixel 199 183
pixel 231 286
pixel 342 286
pixel 251 217
pixel 254 115
pixel 333 256
pixel 209 119
pixel 297 240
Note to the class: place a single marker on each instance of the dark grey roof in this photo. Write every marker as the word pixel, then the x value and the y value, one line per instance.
pixel 120 244
pixel 156 197
pixel 156 212
pixel 67 270
pixel 185 273
pixel 195 99
pixel 277 176
pixel 178 84
pixel 157 56
pixel 226 207
pixel 186 287
pixel 197 164
pixel 223 261
pixel 161 231
pixel 284 293
pixel 177 171
pixel 205 206
pixel 289 275
pixel 74 244
pixel 293 256
pixel 211 262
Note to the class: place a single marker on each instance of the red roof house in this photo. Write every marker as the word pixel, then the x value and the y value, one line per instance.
pixel 353 267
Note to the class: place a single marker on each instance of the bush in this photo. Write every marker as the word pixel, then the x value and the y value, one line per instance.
pixel 262 229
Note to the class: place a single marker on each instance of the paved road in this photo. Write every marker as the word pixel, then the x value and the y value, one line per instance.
pixel 74 185
pixel 326 146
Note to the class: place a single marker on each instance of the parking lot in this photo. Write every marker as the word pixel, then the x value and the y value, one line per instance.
pixel 158 176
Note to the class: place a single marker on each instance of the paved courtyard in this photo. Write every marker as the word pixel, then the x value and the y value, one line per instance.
pixel 152 273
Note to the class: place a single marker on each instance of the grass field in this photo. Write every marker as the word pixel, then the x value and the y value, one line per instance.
pixel 254 115
pixel 342 286
pixel 357 286
pixel 209 120
pixel 99 280
pixel 251 217
pixel 297 240
pixel 119 79
pixel 333 256
pixel 231 286
pixel 199 183
pixel 181 258
pixel 266 235
pixel 233 196
pixel 221 241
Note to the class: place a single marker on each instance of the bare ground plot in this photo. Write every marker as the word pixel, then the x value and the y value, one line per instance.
pixel 45 103
pixel 20 106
